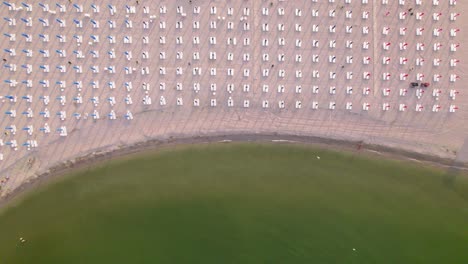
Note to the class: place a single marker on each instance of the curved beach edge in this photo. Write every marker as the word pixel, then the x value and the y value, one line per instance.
pixel 354 147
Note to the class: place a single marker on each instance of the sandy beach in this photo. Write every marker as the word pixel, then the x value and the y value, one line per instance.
pixel 438 137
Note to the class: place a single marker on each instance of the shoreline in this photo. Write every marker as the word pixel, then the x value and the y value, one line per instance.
pixel 353 147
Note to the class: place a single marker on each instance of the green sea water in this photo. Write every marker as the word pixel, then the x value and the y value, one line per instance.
pixel 242 203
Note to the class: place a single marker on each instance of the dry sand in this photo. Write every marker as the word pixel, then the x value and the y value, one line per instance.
pixel 441 134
